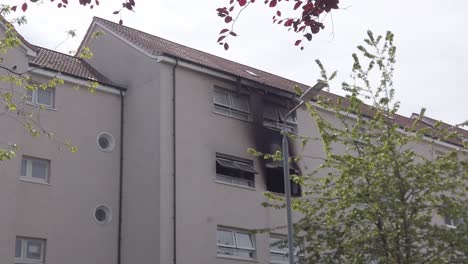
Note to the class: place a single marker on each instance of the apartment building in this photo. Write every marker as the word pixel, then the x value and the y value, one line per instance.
pixel 162 174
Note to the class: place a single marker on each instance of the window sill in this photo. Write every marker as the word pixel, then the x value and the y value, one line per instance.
pixel 34 181
pixel 236 258
pixel 235 185
pixel 450 226
pixel 44 106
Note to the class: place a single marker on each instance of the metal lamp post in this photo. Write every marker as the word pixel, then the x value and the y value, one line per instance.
pixel 306 96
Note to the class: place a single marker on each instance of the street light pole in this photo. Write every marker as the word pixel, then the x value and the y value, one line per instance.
pixel 306 96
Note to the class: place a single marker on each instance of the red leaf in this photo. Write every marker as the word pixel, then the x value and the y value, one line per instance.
pixel 242 2
pixel 228 19
pixel 24 7
pixel 308 36
pixel 278 13
pixel 273 3
pixel 297 42
pixel 226 46
pixel 297 5
pixel 252 1
pixel 97 2
pixel 230 2
pixel 120 22
pixel 288 23
pixel 65 2
pixel 220 38
pixel 59 5
pixel 233 34
pixel 223 31
pixel 231 8
pixel 14 8
pixel 116 12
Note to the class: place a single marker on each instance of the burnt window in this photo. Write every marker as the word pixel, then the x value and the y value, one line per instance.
pixel 273 116
pixel 235 172
pixel 275 181
pixel 231 103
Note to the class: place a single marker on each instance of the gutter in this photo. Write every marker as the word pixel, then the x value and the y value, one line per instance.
pixel 174 157
pixel 119 232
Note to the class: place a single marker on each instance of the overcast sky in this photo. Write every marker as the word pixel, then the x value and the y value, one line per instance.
pixel 431 38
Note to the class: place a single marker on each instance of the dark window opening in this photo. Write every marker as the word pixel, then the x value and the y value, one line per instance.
pixel 275 181
pixel 235 172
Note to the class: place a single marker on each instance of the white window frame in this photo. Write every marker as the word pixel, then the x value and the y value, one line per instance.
pixel 236 248
pixel 451 222
pixel 284 252
pixel 229 109
pixel 28 176
pixel 241 166
pixel 32 97
pixel 23 259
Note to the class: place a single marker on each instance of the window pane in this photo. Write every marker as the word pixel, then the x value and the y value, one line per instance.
pixel 291 118
pixel 246 167
pixel 222 110
pixel 45 97
pixel 226 251
pixel 243 253
pixel 448 220
pixel 244 240
pixel 39 169
pixel 240 115
pixel 34 249
pixel 29 95
pixel 278 245
pixel 221 97
pixel 227 163
pixel 18 248
pixel 24 166
pixel 270 113
pixel 225 238
pixel 240 102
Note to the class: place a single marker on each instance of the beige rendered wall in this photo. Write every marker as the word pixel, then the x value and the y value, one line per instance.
pixel 141 162
pixel 62 212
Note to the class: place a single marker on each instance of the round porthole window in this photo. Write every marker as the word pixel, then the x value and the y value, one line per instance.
pixel 102 214
pixel 105 141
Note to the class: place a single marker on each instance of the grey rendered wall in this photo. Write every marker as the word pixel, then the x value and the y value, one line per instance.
pixel 62 212
pixel 132 69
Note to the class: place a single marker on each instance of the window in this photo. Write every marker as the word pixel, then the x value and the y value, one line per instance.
pixel 40 96
pixel 105 142
pixel 34 169
pixel 279 250
pixel 275 180
pixel 273 116
pixel 231 103
pixel 29 250
pixel 452 222
pixel 235 172
pixel 235 243
pixel 102 214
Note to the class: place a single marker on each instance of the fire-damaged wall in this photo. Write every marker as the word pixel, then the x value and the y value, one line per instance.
pixel 268 139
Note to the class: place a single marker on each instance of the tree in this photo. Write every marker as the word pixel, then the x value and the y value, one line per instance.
pixel 381 187
pixel 305 19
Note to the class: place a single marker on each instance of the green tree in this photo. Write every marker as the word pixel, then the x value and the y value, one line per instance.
pixel 383 189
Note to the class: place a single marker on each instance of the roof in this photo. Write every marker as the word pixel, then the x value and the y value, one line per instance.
pixel 158 46
pixel 69 65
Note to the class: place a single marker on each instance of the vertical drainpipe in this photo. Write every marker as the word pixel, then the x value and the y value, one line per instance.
pixel 119 239
pixel 174 196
